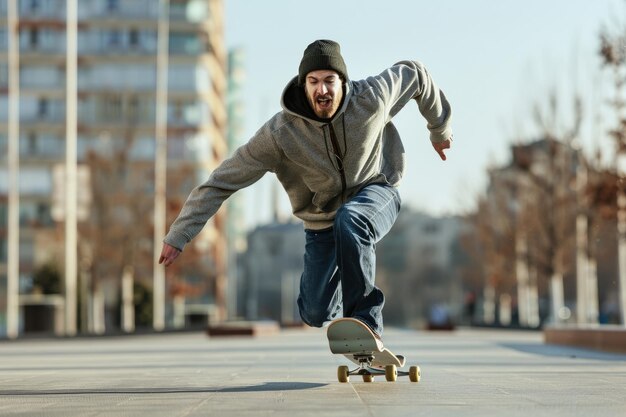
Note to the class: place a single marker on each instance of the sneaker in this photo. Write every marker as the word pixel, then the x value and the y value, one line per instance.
pixel 379 339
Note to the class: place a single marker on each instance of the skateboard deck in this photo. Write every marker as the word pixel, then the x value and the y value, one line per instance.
pixel 356 341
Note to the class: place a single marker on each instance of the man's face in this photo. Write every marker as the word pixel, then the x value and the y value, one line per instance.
pixel 324 92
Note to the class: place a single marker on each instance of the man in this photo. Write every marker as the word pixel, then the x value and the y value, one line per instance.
pixel 339 158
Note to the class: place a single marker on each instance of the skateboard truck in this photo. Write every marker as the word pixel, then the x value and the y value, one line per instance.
pixel 367 372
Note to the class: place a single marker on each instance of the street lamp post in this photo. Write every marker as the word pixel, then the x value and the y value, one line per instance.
pixel 13 258
pixel 160 165
pixel 621 232
pixel 71 222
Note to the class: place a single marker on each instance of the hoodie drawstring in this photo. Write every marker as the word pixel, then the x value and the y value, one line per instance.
pixel 337 161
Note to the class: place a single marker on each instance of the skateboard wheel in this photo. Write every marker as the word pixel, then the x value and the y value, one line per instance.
pixel 368 378
pixel 391 373
pixel 415 373
pixel 342 374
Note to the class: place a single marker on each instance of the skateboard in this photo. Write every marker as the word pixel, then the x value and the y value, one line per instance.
pixel 353 339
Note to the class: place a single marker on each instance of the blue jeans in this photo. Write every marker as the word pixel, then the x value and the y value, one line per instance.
pixel 340 262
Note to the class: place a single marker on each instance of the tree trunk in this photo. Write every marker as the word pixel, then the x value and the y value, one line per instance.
pixel 504 310
pixel 557 296
pixel 522 275
pixel 489 304
pixel 128 305
pixel 621 245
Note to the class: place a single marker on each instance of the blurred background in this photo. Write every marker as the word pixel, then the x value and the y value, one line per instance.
pixel 111 111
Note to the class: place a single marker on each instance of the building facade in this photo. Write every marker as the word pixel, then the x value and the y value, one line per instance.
pixel 117 76
pixel 418 269
pixel 270 273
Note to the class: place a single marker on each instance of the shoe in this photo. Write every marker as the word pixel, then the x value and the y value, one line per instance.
pixel 379 339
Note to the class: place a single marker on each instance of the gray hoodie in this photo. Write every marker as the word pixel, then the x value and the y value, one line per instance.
pixel 322 164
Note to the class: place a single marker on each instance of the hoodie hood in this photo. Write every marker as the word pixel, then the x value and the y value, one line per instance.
pixel 293 101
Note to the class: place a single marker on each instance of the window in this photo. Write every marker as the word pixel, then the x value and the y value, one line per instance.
pixel 133 38
pixel 430 228
pixel 27 253
pixel 113 108
pixel 178 111
pixel 113 38
pixel 39 76
pixel 28 213
pixel 33 37
pixel 44 218
pixel 35 181
pixel 42 108
pixel 4 40
pixel 51 40
pixel 112 5
pixel 182 77
pixel 143 148
pixel 178 10
pixel 50 145
pixel 133 114
pixel 4 74
pixel 184 43
pixel 175 147
pixel 31 144
pixel 34 5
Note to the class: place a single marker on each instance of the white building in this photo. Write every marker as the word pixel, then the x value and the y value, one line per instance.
pixel 117 47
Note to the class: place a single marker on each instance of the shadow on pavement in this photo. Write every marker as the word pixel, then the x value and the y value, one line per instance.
pixel 265 387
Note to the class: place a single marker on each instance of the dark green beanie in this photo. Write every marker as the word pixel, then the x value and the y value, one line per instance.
pixel 322 55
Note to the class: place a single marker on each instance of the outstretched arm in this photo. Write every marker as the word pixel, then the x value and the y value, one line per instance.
pixel 248 164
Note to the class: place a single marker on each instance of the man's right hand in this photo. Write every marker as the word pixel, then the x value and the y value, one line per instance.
pixel 168 254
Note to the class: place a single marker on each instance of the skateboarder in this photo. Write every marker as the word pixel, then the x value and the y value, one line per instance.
pixel 338 156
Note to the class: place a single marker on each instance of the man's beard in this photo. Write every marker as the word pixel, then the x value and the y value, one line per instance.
pixel 324 106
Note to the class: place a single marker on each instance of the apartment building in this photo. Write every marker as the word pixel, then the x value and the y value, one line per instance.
pixel 117 50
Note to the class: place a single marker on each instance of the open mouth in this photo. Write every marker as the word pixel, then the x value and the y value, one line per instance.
pixel 324 102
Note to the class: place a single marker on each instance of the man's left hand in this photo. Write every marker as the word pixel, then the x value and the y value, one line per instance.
pixel 441 146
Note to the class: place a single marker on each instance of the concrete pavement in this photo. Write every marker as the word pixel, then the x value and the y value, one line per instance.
pixel 464 373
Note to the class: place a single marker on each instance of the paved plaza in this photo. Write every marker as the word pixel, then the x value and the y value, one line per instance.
pixel 464 373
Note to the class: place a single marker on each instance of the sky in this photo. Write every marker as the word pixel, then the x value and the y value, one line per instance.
pixel 495 60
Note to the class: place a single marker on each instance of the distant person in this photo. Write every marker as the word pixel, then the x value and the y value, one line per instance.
pixel 339 158
pixel 470 306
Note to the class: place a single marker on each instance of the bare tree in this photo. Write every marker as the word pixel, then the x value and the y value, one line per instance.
pixel 525 225
pixel 491 243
